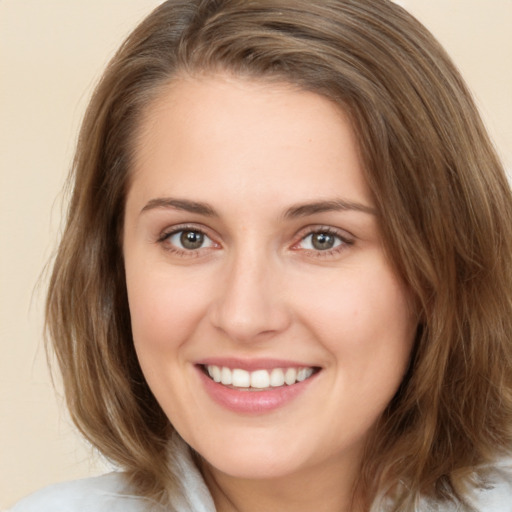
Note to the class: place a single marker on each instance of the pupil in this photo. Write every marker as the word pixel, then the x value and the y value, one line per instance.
pixel 191 239
pixel 322 241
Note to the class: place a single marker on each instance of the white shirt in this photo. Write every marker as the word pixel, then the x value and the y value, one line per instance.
pixel 109 493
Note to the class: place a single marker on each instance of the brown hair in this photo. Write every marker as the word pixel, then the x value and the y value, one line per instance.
pixel 444 203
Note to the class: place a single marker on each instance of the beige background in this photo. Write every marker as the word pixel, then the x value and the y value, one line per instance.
pixel 51 53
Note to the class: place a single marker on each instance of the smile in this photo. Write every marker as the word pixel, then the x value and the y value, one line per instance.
pixel 255 386
pixel 258 379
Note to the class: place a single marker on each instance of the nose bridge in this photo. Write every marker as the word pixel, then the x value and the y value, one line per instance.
pixel 249 305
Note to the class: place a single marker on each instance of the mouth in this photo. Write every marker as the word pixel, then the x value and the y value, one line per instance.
pixel 259 379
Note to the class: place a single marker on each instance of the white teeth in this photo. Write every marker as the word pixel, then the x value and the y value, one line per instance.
pixel 258 379
pixel 215 373
pixel 304 373
pixel 276 377
pixel 241 378
pixel 226 377
pixel 290 376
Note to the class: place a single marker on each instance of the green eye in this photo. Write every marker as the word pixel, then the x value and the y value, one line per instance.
pixel 321 241
pixel 189 240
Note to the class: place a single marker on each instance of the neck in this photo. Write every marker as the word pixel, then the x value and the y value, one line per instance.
pixel 325 489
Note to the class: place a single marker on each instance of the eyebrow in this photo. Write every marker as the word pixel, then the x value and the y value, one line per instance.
pixel 300 210
pixel 303 210
pixel 180 204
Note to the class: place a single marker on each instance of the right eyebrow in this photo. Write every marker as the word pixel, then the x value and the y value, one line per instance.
pixel 180 204
pixel 304 210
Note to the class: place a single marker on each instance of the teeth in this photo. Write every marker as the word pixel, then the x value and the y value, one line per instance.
pixel 226 377
pixel 241 378
pixel 304 373
pixel 259 379
pixel 276 377
pixel 215 374
pixel 290 376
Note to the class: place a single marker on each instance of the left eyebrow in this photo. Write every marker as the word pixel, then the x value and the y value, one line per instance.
pixel 303 210
pixel 180 204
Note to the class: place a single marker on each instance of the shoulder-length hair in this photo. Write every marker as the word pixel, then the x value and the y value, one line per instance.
pixel 444 205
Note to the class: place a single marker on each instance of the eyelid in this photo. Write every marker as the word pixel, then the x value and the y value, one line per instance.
pixel 346 238
pixel 165 235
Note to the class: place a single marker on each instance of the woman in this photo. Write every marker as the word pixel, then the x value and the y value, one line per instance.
pixel 285 280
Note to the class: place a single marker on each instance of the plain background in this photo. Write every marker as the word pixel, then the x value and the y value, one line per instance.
pixel 51 54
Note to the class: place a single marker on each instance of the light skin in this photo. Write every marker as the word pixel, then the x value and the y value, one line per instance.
pixel 250 235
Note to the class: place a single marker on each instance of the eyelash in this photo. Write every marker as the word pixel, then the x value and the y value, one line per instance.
pixel 343 241
pixel 165 237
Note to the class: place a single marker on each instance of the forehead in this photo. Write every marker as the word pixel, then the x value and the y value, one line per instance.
pixel 220 133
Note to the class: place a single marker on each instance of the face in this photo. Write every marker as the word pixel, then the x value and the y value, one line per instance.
pixel 266 317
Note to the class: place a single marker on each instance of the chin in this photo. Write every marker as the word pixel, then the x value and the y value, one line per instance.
pixel 261 468
pixel 256 461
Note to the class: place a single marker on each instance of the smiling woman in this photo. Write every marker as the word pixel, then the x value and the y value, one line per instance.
pixel 286 278
pixel 267 275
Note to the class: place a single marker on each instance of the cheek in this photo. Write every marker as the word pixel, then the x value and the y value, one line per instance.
pixel 362 314
pixel 164 311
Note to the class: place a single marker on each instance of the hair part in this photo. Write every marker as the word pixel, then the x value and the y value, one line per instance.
pixel 444 205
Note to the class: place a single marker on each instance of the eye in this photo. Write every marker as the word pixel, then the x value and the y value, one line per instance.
pixel 188 240
pixel 321 241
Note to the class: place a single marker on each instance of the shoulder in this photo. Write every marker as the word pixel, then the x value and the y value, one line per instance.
pixel 496 494
pixel 107 493
pixel 492 494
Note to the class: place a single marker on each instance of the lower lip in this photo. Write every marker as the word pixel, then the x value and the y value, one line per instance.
pixel 253 402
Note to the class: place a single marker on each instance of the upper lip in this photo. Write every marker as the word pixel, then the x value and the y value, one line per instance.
pixel 253 364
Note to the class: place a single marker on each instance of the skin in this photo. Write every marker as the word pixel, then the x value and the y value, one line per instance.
pixel 253 154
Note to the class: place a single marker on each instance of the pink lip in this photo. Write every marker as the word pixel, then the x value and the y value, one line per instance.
pixel 253 402
pixel 251 365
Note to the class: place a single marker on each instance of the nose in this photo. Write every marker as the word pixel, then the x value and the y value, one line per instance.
pixel 251 304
